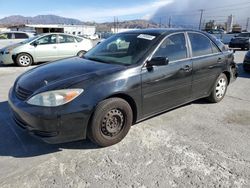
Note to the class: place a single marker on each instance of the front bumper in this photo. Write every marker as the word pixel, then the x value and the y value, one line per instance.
pixel 52 125
pixel 6 59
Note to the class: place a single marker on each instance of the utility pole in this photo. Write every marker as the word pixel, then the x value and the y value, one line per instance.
pixel 117 25
pixel 201 10
pixel 169 21
pixel 160 22
pixel 114 25
pixel 248 19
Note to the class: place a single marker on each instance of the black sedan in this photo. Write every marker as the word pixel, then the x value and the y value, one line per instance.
pixel 246 63
pixel 241 41
pixel 101 94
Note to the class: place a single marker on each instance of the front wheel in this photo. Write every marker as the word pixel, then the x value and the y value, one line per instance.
pixel 219 89
pixel 110 122
pixel 24 60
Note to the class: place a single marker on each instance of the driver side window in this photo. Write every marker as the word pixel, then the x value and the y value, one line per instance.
pixel 173 47
pixel 49 39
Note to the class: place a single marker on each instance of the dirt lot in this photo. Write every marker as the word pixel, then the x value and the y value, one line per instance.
pixel 197 145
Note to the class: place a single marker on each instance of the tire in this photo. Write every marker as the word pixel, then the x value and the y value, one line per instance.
pixel 110 122
pixel 24 60
pixel 219 89
pixel 81 53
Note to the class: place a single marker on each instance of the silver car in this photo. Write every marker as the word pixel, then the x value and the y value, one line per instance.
pixel 43 48
pixel 13 37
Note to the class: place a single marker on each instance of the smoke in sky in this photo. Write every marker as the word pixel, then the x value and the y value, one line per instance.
pixel 186 13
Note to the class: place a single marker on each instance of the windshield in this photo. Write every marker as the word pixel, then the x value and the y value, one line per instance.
pixel 124 49
pixel 244 35
pixel 30 39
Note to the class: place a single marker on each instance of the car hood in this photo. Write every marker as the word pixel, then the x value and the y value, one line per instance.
pixel 65 72
pixel 12 46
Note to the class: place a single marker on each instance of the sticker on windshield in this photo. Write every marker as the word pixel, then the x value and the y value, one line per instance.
pixel 147 37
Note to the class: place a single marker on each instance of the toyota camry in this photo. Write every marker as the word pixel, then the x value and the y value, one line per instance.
pixel 101 94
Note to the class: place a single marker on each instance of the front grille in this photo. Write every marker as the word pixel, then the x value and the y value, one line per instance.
pixel 22 93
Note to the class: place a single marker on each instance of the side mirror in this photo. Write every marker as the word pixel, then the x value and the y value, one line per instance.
pixel 158 61
pixel 35 43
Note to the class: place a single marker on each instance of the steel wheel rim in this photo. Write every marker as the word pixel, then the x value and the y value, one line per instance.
pixel 221 88
pixel 24 60
pixel 112 123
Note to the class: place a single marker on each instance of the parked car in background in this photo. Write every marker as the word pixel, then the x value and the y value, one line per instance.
pixel 241 41
pixel 246 63
pixel 13 37
pixel 103 93
pixel 43 48
pixel 216 31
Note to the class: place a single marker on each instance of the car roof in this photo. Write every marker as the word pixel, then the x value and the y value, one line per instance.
pixel 15 32
pixel 161 31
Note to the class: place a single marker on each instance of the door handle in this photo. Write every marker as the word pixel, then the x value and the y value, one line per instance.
pixel 186 68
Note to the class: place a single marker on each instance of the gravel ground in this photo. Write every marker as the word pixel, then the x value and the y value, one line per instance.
pixel 197 145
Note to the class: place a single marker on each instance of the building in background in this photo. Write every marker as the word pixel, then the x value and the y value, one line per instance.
pixel 4 29
pixel 56 28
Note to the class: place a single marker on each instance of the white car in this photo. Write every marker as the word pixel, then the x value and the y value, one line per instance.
pixel 13 37
pixel 44 48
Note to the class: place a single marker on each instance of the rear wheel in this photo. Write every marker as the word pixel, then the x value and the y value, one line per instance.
pixel 24 60
pixel 81 53
pixel 219 89
pixel 110 122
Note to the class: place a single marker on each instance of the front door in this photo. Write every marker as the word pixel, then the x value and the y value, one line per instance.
pixel 164 87
pixel 46 48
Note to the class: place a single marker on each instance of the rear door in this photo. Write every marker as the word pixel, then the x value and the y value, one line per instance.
pixel 46 48
pixel 67 46
pixel 164 87
pixel 208 62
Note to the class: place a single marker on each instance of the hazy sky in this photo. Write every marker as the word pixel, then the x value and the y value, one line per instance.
pixel 104 10
pixel 98 10
pixel 187 12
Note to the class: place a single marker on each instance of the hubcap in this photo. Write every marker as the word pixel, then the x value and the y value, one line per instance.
pixel 112 123
pixel 24 60
pixel 221 88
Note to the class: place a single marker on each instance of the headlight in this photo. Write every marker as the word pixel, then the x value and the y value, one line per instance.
pixel 7 51
pixel 54 98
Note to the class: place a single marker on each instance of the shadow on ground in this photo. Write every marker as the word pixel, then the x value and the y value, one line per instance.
pixel 18 143
pixel 242 72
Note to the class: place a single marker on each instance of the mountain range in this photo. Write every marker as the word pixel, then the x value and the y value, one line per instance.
pixel 40 19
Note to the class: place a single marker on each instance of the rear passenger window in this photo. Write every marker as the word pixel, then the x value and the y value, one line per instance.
pixel 66 39
pixel 21 36
pixel 201 45
pixel 78 39
pixel 6 36
pixel 174 48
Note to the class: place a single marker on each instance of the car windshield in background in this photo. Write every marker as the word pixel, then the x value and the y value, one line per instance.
pixel 29 40
pixel 124 49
